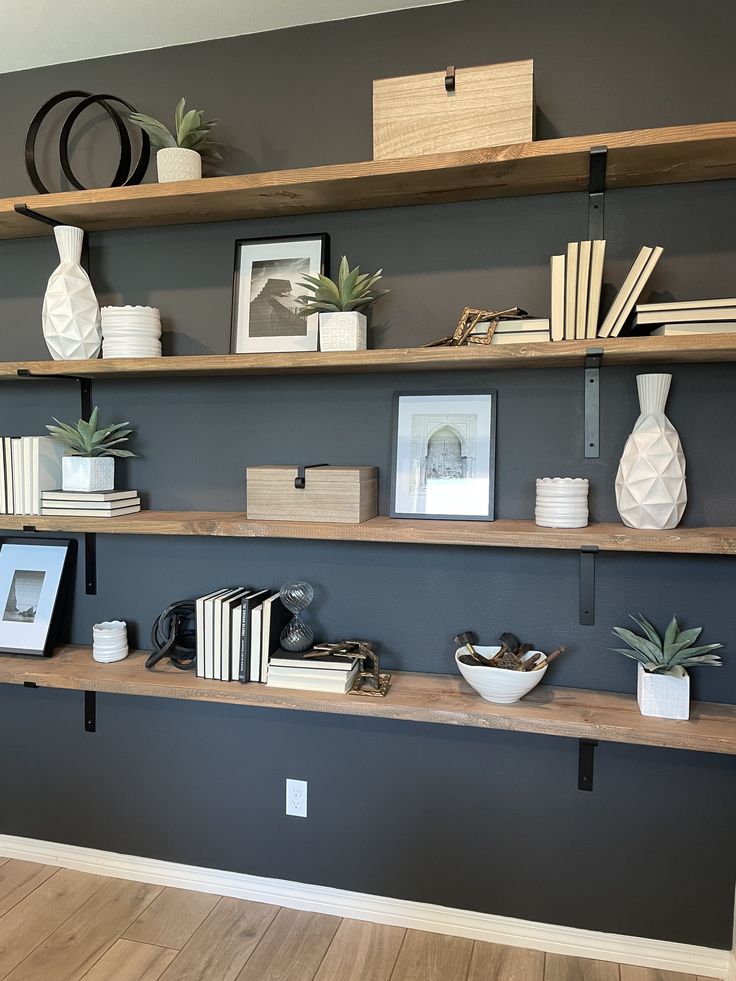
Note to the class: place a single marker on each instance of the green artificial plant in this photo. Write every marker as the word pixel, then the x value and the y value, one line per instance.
pixel 85 439
pixel 191 131
pixel 352 291
pixel 673 653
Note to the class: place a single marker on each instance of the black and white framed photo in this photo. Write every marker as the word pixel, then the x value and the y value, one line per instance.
pixel 35 576
pixel 266 288
pixel 444 455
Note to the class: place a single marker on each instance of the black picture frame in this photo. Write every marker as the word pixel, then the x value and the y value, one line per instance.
pixel 320 237
pixel 492 394
pixel 59 601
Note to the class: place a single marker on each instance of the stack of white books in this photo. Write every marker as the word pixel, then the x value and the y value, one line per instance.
pixel 29 465
pixel 92 504
pixel 323 673
pixel 521 330
pixel 687 317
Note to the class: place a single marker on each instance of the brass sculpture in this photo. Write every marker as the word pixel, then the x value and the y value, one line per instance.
pixel 464 334
pixel 368 680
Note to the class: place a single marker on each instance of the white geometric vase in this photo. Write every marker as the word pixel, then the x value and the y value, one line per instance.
pixel 71 314
pixel 650 483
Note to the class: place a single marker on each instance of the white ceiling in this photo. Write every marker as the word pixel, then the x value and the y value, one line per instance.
pixel 51 32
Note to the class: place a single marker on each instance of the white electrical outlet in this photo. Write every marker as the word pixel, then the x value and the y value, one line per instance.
pixel 296 798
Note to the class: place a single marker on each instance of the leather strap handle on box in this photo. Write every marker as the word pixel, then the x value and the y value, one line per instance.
pixel 301 474
pixel 450 78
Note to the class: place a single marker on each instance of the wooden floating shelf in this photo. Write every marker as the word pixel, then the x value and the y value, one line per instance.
pixel 437 699
pixel 490 534
pixel 688 349
pixel 668 155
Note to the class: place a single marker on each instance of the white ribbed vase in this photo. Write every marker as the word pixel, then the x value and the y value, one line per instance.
pixel 71 314
pixel 650 483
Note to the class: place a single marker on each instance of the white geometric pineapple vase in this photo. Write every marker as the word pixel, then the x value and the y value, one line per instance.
pixel 71 313
pixel 650 483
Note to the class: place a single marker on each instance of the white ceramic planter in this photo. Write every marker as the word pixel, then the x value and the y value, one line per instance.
pixel 343 331
pixel 176 163
pixel 665 696
pixel 88 473
pixel 498 685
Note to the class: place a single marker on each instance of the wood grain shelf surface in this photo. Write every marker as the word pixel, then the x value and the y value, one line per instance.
pixel 667 155
pixel 688 349
pixel 437 699
pixel 610 537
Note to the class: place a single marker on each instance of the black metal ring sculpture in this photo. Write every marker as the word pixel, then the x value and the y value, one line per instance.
pixel 123 177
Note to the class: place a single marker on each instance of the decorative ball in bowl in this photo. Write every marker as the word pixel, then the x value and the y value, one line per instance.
pixel 499 685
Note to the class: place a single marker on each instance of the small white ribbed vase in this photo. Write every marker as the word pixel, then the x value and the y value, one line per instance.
pixel 650 483
pixel 71 314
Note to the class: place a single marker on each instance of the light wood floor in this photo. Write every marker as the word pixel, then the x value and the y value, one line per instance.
pixel 61 925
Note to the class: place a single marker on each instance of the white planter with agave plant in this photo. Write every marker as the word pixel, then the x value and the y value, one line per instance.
pixel 663 684
pixel 179 154
pixel 342 324
pixel 89 463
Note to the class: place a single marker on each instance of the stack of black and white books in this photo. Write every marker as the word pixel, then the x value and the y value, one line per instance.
pixel 238 629
pixel 93 504
pixel 686 317
pixel 312 672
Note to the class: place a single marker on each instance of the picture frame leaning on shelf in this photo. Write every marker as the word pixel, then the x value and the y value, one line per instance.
pixel 443 455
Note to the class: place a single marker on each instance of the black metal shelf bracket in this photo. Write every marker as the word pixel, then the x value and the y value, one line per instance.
pixel 586 759
pixel 592 402
pixel 90 538
pixel 23 209
pixel 90 711
pixel 596 191
pixel 587 584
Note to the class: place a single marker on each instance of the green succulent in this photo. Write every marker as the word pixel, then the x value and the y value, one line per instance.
pixel 673 653
pixel 191 131
pixel 85 439
pixel 352 291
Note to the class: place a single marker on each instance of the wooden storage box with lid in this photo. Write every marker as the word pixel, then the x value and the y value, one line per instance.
pixel 456 109
pixel 314 493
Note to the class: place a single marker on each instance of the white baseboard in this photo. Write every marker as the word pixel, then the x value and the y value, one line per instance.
pixel 660 954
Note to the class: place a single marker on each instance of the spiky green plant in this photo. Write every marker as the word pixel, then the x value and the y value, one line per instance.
pixel 191 131
pixel 85 439
pixel 674 652
pixel 352 291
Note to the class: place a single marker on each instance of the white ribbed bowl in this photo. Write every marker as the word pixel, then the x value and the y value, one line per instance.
pixel 498 684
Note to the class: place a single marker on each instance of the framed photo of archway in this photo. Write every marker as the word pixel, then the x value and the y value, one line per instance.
pixel 444 455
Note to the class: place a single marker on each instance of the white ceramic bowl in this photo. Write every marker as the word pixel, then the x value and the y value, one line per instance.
pixel 498 684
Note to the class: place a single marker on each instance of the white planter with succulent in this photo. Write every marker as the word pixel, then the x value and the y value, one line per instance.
pixel 89 465
pixel 179 154
pixel 663 684
pixel 342 324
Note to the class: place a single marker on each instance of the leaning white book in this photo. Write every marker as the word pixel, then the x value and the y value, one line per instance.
pixel 47 454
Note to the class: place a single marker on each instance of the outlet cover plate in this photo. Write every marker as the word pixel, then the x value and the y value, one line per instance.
pixel 296 798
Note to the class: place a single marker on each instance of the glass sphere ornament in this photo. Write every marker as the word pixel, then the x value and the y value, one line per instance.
pixel 296 636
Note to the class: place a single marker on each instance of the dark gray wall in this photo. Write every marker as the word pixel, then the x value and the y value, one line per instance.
pixel 146 782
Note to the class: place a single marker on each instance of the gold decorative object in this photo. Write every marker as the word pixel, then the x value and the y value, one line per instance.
pixel 368 680
pixel 464 334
